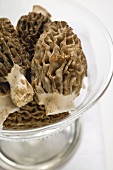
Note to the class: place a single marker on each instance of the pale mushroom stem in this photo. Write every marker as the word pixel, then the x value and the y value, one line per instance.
pixel 56 103
pixel 40 9
pixel 21 90
pixel 6 107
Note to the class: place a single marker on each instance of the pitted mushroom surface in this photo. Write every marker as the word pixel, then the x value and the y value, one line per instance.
pixel 31 116
pixel 11 52
pixel 6 28
pixel 42 67
pixel 29 28
pixel 58 67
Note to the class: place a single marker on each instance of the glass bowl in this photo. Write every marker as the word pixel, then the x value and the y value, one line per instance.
pixel 97 46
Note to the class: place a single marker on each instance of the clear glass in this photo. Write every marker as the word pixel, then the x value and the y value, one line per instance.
pixel 97 46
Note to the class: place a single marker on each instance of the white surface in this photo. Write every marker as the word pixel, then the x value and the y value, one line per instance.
pixel 96 149
pixel 106 110
pixel 90 155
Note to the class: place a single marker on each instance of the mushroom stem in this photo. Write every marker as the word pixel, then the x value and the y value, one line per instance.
pixel 56 103
pixel 6 107
pixel 21 90
pixel 40 9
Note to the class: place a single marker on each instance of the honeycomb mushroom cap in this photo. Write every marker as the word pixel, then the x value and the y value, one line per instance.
pixel 6 28
pixel 29 28
pixel 59 64
pixel 58 68
pixel 11 52
pixel 31 116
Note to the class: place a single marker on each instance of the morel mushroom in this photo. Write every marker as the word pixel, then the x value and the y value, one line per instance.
pixel 58 68
pixel 12 53
pixel 31 116
pixel 6 28
pixel 29 28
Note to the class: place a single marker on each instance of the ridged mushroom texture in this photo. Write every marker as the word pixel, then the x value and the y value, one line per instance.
pixel 13 54
pixel 29 28
pixel 6 28
pixel 31 116
pixel 58 68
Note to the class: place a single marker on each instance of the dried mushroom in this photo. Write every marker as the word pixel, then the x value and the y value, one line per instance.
pixel 29 28
pixel 11 52
pixel 6 28
pixel 42 67
pixel 31 116
pixel 58 67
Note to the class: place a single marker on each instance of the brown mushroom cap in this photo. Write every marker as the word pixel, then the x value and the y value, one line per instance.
pixel 31 116
pixel 6 28
pixel 11 52
pixel 59 64
pixel 58 67
pixel 29 28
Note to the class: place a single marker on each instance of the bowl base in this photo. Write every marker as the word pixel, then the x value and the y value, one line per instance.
pixel 45 154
